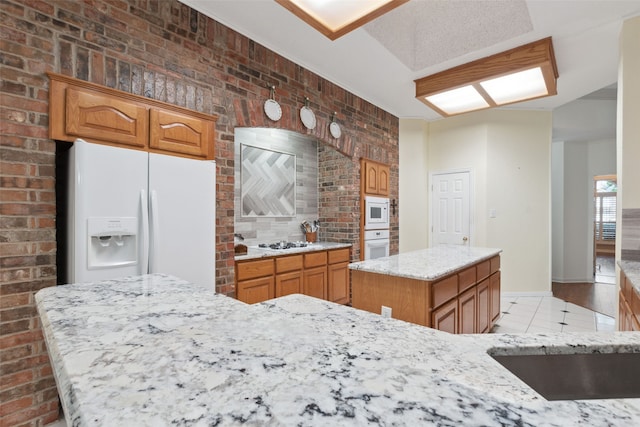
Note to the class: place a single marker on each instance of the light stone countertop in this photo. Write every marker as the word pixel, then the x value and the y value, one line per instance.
pixel 158 351
pixel 427 264
pixel 632 271
pixel 255 252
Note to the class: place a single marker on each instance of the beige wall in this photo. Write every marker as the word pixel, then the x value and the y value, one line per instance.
pixel 509 154
pixel 628 132
pixel 413 185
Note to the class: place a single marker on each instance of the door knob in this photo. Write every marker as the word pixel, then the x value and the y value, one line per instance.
pixel 465 238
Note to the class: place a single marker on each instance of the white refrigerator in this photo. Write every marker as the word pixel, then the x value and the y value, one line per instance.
pixel 130 212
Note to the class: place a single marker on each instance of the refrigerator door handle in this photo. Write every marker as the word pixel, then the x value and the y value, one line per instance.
pixel 144 206
pixel 155 232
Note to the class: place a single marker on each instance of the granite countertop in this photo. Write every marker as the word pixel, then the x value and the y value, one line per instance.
pixel 427 264
pixel 157 351
pixel 256 252
pixel 632 271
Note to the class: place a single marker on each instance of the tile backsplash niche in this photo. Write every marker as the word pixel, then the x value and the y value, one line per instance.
pixel 276 184
pixel 630 235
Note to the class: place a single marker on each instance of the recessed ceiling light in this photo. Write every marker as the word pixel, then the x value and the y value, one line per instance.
pixel 335 18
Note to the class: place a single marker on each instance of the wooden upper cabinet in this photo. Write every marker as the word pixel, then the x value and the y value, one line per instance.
pixel 80 109
pixel 105 118
pixel 181 133
pixel 376 178
pixel 383 180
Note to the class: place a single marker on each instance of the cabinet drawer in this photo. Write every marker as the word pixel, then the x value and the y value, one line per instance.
pixel 316 259
pixel 339 255
pixel 466 279
pixel 483 270
pixel 288 263
pixel 444 290
pixel 495 264
pixel 253 269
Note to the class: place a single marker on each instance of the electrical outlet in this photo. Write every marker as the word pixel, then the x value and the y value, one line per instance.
pixel 385 312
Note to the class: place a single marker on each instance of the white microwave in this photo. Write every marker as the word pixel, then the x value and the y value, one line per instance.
pixel 376 213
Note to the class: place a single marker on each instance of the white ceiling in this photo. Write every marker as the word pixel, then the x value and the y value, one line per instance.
pixel 380 61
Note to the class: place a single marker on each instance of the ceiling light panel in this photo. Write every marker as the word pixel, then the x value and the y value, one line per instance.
pixel 516 87
pixel 523 73
pixel 458 100
pixel 334 18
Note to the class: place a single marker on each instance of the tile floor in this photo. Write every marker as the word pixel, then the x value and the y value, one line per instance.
pixel 548 314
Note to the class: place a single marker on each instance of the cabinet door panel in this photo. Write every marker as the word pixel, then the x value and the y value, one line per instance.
pixel 179 133
pixel 315 259
pixel 445 318
pixel 256 290
pixel 467 309
pixel 101 117
pixel 383 180
pixel 371 178
pixel 494 291
pixel 252 269
pixel 288 263
pixel 288 283
pixel 315 282
pixel 338 287
pixel 484 306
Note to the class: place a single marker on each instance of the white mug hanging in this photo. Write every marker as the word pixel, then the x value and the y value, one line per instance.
pixel 272 108
pixel 307 116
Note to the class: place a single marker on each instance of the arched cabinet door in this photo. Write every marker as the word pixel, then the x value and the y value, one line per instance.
pixel 181 133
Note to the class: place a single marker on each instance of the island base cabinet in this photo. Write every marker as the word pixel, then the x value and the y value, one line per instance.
pixel 494 295
pixel 467 306
pixel 484 307
pixel 466 301
pixel 628 306
pixel 445 318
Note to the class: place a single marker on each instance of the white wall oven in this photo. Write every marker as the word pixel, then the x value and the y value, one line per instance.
pixel 376 244
pixel 376 213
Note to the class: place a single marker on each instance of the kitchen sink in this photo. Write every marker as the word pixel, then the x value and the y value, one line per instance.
pixel 578 376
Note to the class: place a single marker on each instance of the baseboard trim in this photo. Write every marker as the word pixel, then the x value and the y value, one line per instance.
pixel 526 294
pixel 573 281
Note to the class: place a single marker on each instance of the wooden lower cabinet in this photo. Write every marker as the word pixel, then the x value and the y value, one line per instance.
pixel 484 306
pixel 494 297
pixel 338 283
pixel 288 283
pixel 256 290
pixel 468 312
pixel 628 306
pixel 314 283
pixel 467 301
pixel 445 318
pixel 320 274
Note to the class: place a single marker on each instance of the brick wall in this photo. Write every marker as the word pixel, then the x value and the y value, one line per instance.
pixel 164 50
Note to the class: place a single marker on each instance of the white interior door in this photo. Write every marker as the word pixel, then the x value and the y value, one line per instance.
pixel 450 207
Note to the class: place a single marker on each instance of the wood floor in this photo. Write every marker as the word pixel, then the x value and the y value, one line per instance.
pixel 599 297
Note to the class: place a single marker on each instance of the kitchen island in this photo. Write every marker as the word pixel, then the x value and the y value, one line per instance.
pixel 451 288
pixel 158 351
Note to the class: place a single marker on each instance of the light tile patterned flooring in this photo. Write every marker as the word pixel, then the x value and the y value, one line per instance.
pixel 548 314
